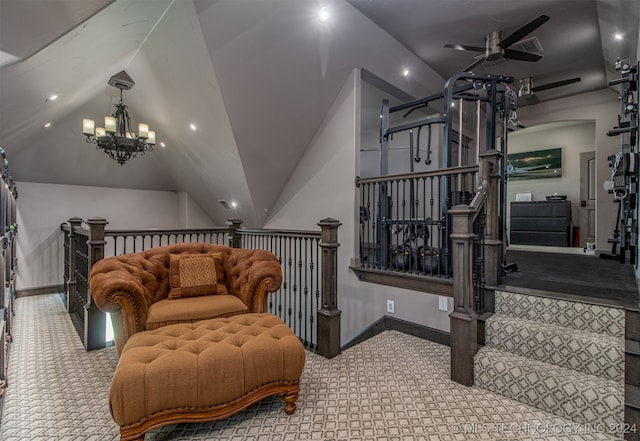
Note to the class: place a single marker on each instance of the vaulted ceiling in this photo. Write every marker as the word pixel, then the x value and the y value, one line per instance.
pixel 255 77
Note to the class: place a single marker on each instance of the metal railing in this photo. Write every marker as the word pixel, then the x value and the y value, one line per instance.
pixel 298 300
pixel 404 221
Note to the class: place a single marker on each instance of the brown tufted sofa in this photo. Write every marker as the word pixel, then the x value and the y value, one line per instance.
pixel 134 287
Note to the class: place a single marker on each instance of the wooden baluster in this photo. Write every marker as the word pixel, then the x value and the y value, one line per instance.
pixel 493 245
pixel 329 314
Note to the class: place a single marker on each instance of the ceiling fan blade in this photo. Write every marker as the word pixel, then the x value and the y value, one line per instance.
pixel 521 55
pixel 525 30
pixel 474 64
pixel 556 84
pixel 464 47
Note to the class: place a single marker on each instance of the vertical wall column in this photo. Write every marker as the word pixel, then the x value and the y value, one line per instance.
pixel 94 319
pixel 329 314
pixel 464 320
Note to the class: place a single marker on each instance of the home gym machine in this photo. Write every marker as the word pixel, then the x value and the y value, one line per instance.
pixel 402 233
pixel 624 166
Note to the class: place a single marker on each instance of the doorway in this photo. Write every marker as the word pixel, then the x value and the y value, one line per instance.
pixel 587 198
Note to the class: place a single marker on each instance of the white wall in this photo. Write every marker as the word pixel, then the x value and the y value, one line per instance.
pixel 323 185
pixel 602 107
pixel 191 215
pixel 573 138
pixel 41 208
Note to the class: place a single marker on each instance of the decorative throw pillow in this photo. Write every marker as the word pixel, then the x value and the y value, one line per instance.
pixel 192 275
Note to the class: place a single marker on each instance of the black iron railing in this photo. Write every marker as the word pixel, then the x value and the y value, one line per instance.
pixel 404 222
pixel 298 300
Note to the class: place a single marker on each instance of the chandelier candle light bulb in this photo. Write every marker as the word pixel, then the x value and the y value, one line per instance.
pixel 110 124
pixel 88 127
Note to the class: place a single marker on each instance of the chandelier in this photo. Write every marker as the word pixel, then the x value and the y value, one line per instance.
pixel 116 138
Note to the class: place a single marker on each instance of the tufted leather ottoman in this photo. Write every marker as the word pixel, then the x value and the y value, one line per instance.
pixel 204 371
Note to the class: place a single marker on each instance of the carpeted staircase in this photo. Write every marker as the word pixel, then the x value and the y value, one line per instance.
pixel 563 357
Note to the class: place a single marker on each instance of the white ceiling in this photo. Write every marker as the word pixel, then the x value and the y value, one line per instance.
pixel 255 76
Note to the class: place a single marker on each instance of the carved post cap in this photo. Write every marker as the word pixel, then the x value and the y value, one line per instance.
pixel 234 222
pixel 329 235
pixel 96 228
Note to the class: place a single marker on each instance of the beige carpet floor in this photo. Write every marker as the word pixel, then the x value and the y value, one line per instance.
pixel 391 387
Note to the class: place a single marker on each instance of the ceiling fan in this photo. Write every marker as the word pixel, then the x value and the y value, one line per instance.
pixel 498 47
pixel 527 89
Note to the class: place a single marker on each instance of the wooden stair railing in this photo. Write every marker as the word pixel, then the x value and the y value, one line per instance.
pixel 88 241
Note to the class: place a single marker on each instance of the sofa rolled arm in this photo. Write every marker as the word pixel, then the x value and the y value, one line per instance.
pixel 123 286
pixel 253 275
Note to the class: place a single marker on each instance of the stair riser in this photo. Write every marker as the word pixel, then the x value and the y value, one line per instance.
pixel 588 353
pixel 591 318
pixel 632 420
pixel 632 331
pixel 632 369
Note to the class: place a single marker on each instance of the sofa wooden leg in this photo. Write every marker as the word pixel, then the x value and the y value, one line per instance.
pixel 290 402
pixel 125 437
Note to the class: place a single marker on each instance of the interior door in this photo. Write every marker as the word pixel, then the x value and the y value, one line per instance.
pixel 587 198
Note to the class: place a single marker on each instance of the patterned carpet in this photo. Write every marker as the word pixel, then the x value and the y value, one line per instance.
pixel 391 387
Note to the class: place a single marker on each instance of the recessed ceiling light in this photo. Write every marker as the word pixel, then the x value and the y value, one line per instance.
pixel 405 73
pixel 47 125
pixel 619 37
pixel 323 15
pixel 52 98
pixel 234 204
pixel 193 127
pixel 162 144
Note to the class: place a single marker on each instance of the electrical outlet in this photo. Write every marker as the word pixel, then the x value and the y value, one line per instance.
pixel 391 306
pixel 443 303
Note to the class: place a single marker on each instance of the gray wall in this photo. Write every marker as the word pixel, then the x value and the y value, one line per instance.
pixel 41 208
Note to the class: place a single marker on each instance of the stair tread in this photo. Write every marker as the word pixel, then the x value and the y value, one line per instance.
pixel 567 313
pixel 609 339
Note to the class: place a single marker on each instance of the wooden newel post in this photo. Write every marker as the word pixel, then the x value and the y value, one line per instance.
pixel 71 263
pixel 463 319
pixel 329 314
pixel 94 319
pixel 234 238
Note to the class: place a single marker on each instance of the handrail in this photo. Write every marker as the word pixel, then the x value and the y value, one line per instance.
pixel 426 174
pixel 284 233
pixel 157 231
